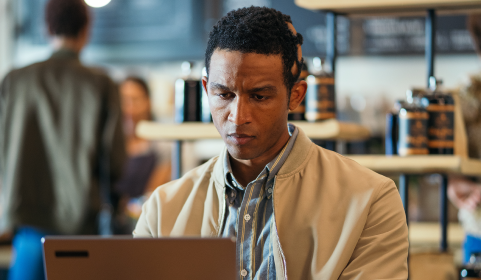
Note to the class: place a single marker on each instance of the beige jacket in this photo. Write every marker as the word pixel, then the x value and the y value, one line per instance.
pixel 334 219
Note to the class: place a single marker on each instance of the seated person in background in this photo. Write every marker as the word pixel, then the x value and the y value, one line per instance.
pixel 295 209
pixel 148 163
pixel 464 192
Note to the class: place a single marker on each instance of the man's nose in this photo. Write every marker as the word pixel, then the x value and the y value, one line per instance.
pixel 240 112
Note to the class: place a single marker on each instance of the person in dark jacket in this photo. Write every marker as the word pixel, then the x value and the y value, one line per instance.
pixel 60 136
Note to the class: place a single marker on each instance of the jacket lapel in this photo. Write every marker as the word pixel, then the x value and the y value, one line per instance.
pixel 219 186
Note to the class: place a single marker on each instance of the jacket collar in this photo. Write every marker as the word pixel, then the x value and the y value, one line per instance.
pixel 293 162
pixel 298 154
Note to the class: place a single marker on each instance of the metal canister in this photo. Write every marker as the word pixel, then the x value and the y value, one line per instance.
pixel 298 114
pixel 188 105
pixel 413 122
pixel 441 123
pixel 320 97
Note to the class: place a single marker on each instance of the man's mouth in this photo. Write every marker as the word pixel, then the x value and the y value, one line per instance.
pixel 240 139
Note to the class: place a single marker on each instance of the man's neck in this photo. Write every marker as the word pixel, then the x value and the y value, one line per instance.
pixel 72 44
pixel 245 171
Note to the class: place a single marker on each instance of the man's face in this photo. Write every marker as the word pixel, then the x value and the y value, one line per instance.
pixel 248 101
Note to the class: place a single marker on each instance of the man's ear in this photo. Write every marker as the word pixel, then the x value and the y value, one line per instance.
pixel 298 93
pixel 204 84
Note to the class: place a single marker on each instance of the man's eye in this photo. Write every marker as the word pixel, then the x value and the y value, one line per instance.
pixel 223 95
pixel 259 97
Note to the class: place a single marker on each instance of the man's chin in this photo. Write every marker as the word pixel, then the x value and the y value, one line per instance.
pixel 241 153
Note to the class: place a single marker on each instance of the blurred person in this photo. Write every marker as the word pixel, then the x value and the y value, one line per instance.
pixel 61 135
pixel 465 192
pixel 148 163
pixel 296 210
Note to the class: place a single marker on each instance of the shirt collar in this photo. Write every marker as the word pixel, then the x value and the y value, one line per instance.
pixel 270 170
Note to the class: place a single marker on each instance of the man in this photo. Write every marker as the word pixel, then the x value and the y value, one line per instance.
pixel 58 121
pixel 296 210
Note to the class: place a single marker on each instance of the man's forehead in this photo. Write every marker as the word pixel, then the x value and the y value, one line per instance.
pixel 227 66
pixel 230 59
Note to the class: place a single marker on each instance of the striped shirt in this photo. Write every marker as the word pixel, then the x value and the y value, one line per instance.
pixel 254 205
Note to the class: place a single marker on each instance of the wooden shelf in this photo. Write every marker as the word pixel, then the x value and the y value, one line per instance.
pixel 329 129
pixel 390 6
pixel 422 234
pixel 421 164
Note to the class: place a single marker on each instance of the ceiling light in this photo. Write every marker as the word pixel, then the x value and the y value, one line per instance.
pixel 97 3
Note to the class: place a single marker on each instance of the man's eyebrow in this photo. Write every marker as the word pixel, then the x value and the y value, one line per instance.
pixel 264 88
pixel 219 86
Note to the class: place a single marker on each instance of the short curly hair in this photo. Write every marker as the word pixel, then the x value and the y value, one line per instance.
pixel 258 30
pixel 66 17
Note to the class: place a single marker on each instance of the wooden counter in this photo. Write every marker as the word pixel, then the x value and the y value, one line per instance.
pixel 421 164
pixel 420 234
pixel 329 130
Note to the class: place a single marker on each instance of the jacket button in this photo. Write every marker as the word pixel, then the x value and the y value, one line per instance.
pixel 244 273
pixel 247 217
pixel 269 190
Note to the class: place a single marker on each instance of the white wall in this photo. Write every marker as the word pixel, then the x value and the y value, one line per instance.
pixel 391 76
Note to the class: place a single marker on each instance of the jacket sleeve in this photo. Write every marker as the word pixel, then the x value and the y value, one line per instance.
pixel 5 195
pixel 148 222
pixel 3 93
pixel 382 249
pixel 113 136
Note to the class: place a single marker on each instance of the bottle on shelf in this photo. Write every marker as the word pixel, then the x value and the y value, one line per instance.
pixel 298 114
pixel 320 95
pixel 392 129
pixel 206 116
pixel 413 123
pixel 187 99
pixel 440 107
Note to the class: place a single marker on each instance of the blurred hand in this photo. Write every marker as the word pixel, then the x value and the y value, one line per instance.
pixel 464 193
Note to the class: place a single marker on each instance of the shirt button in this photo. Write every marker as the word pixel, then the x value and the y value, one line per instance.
pixel 247 217
pixel 269 190
pixel 232 194
pixel 244 273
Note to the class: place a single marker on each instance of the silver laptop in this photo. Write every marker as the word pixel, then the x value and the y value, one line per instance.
pixel 120 258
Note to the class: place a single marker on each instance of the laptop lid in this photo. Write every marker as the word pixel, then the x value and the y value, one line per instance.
pixel 123 258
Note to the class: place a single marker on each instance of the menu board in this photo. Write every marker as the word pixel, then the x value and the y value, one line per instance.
pixel 406 35
pixel 158 30
pixel 377 35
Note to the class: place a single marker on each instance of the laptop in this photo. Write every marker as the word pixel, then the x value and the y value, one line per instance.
pixel 126 258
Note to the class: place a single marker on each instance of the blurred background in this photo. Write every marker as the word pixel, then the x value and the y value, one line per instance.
pixel 379 59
